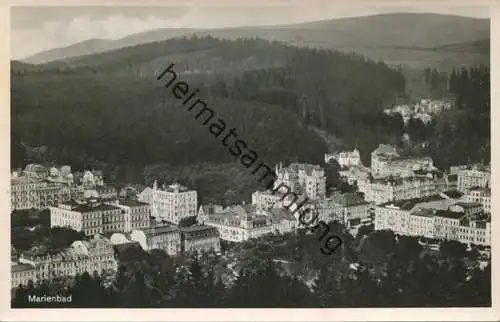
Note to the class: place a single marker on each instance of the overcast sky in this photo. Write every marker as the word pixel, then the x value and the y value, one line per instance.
pixel 36 29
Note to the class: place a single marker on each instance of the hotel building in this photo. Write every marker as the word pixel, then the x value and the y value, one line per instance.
pixel 388 189
pixel 91 218
pixel 95 255
pixel 480 195
pixel 345 159
pixel 171 203
pixel 304 179
pixel 166 238
pixel 475 177
pixel 408 218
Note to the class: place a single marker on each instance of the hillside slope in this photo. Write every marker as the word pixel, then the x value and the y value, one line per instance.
pixel 375 36
pixel 110 107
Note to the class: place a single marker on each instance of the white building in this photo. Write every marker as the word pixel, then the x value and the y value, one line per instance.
pixel 480 195
pixel 475 177
pixel 345 159
pixel 380 156
pixel 171 203
pixel 95 255
pixel 451 224
pixel 392 189
pixel 240 223
pixel 355 174
pixel 91 218
pixel 305 179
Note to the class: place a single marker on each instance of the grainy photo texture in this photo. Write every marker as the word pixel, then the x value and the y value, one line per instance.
pixel 243 157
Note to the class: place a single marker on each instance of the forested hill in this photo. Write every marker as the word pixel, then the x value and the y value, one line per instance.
pixel 379 36
pixel 109 107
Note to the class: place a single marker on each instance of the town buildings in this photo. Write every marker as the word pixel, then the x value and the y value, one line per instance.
pixel 480 195
pixel 95 255
pixel 454 223
pixel 97 217
pixel 41 187
pixel 392 189
pixel 240 223
pixel 172 239
pixel 303 179
pixel 137 214
pixel 172 203
pixel 354 174
pixel 27 193
pixel 345 159
pixel 385 161
pixel 476 176
pixel 166 238
pixel 199 238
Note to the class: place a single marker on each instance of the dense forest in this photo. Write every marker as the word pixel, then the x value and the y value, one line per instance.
pixel 462 134
pixel 108 110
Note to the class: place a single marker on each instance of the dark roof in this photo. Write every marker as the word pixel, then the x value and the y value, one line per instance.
pixel 158 230
pixel 100 207
pixel 196 228
pixel 408 204
pixel 468 204
pixel 424 213
pixel 455 194
pixel 132 202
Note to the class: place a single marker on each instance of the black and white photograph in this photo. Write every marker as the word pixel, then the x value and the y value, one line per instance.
pixel 256 156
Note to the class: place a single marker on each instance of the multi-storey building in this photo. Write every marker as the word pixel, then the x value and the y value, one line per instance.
pixel 345 159
pixel 275 199
pixel 480 195
pixel 350 206
pixel 95 255
pixel 355 174
pixel 36 171
pixel 387 162
pixel 381 156
pixel 392 189
pixel 92 217
pixel 27 193
pixel 137 214
pixel 167 238
pixel 474 177
pixel 306 179
pixel 200 239
pixel 450 224
pixel 21 274
pixel 240 223
pixel 91 179
pixel 210 209
pixel 172 203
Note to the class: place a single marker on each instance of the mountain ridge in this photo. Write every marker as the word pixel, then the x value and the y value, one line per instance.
pixel 385 30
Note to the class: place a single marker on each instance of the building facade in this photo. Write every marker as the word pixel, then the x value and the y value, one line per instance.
pixel 384 190
pixel 137 214
pixel 450 224
pixel 480 195
pixel 172 203
pixel 305 179
pixel 199 239
pixel 345 159
pixel 166 238
pixel 472 178
pixel 95 255
pixel 91 218
pixel 27 193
